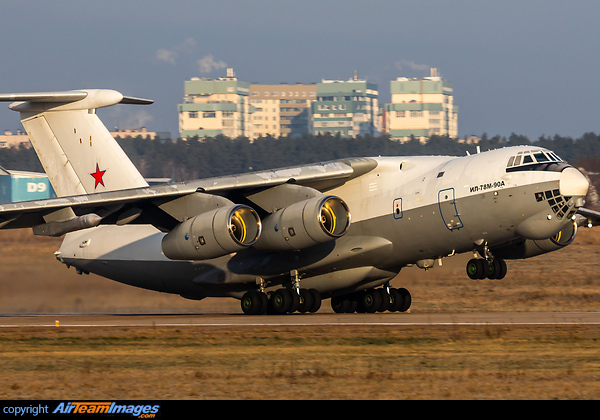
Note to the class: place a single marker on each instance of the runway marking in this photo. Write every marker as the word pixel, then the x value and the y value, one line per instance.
pixel 300 320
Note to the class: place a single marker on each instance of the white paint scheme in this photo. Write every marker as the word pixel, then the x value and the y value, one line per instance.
pixel 404 211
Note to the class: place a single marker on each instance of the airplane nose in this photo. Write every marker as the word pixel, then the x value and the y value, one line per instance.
pixel 573 183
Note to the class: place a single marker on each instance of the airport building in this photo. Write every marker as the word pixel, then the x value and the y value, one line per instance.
pixel 348 108
pixel 421 108
pixel 281 110
pixel 213 107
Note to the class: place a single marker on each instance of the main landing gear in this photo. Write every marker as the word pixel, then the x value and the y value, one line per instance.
pixel 494 269
pixel 373 300
pixel 281 301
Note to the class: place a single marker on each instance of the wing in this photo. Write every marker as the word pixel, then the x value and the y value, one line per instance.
pixel 72 142
pixel 165 206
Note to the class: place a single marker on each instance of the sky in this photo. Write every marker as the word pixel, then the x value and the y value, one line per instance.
pixel 523 66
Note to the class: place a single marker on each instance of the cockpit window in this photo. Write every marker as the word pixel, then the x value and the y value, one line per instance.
pixel 536 160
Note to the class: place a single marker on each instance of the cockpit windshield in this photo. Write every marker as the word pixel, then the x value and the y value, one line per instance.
pixel 540 160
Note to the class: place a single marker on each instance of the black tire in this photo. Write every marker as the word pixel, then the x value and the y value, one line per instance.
pixel 370 301
pixel 280 301
pixel 503 269
pixel 305 301
pixel 396 300
pixel 493 270
pixel 340 304
pixel 472 268
pixel 316 303
pixel 385 300
pixel 295 301
pixel 477 269
pixel 252 303
pixel 406 300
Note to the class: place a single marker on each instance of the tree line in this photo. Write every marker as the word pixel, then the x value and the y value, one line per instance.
pixel 199 158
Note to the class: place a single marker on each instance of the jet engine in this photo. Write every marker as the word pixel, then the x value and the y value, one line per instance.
pixel 213 234
pixel 306 223
pixel 526 248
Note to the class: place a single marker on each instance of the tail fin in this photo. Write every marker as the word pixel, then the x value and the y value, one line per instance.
pixel 77 152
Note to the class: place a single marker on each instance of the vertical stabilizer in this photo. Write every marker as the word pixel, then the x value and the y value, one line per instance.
pixel 78 153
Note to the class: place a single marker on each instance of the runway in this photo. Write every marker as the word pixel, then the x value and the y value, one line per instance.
pixel 319 319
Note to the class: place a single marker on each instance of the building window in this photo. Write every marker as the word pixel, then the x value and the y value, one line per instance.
pixel 209 114
pixel 400 114
pixel 193 114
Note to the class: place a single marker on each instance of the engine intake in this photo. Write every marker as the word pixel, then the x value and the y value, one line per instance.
pixel 213 234
pixel 304 224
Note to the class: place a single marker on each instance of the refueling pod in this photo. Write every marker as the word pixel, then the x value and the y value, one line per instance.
pixel 304 224
pixel 213 234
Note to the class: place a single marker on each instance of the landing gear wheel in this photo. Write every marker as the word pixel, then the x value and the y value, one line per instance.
pixel 340 304
pixel 406 300
pixel 254 303
pixel 370 301
pixel 295 301
pixel 477 269
pixel 396 300
pixel 280 301
pixel 306 301
pixel 316 303
pixel 385 300
pixel 497 269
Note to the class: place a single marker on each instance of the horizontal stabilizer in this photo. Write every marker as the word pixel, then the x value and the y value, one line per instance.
pixel 59 101
pixel 70 96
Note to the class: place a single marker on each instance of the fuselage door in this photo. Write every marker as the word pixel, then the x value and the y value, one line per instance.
pixel 448 211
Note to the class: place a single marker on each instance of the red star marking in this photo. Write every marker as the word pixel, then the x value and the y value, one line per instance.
pixel 98 176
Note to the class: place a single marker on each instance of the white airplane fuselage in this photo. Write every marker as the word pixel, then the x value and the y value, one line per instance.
pixel 407 210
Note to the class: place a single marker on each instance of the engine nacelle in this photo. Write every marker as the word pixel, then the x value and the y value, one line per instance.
pixel 307 223
pixel 526 248
pixel 213 234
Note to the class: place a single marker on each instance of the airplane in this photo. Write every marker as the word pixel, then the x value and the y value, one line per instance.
pixel 283 240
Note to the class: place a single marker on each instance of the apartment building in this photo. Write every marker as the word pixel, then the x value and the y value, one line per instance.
pixel 421 108
pixel 212 107
pixel 227 106
pixel 281 110
pixel 348 108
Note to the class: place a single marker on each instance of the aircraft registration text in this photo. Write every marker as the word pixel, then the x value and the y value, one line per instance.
pixel 488 186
